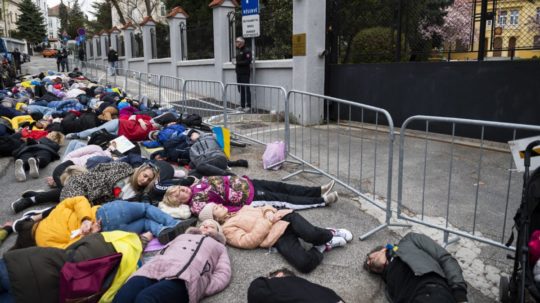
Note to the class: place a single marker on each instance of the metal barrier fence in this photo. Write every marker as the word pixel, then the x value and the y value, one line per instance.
pixel 472 187
pixel 356 154
pixel 149 87
pixel 170 91
pixel 265 120
pixel 203 97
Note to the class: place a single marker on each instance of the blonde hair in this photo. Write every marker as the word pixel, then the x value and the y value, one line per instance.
pixel 70 171
pixel 168 200
pixel 137 172
pixel 57 137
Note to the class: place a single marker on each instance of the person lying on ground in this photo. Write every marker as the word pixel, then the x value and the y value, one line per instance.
pixel 108 181
pixel 157 138
pixel 283 286
pixel 136 128
pixel 35 154
pixel 74 218
pixel 233 192
pixel 266 227
pixel 32 274
pixel 193 266
pixel 418 269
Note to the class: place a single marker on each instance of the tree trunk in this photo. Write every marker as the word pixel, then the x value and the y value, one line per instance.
pixel 118 10
pixel 148 7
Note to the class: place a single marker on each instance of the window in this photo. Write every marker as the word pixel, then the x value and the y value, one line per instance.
pixel 536 41
pixel 514 15
pixel 163 12
pixel 502 18
pixel 1 14
pixel 538 14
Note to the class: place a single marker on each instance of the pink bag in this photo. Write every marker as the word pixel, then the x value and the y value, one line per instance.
pixel 86 281
pixel 274 155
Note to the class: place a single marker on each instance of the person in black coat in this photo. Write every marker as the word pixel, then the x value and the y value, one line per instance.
pixel 283 286
pixel 243 63
pixel 35 154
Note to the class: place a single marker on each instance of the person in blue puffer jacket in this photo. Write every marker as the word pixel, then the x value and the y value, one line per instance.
pixel 159 137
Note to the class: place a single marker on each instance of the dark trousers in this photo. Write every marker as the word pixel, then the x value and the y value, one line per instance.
pixel 279 191
pixel 5 288
pixel 142 289
pixel 433 293
pixel 50 196
pixel 291 249
pixel 245 92
pixel 42 156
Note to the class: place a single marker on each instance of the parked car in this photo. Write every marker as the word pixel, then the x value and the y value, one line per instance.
pixel 49 53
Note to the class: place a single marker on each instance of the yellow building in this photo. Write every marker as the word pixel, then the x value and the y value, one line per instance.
pixel 513 32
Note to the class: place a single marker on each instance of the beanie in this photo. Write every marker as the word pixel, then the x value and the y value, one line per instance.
pixel 207 212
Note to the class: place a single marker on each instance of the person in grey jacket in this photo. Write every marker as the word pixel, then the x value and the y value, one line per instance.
pixel 418 269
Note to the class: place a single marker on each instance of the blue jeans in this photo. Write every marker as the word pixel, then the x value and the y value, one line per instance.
pixel 73 145
pixel 46 111
pixel 110 126
pixel 5 295
pixel 142 289
pixel 133 217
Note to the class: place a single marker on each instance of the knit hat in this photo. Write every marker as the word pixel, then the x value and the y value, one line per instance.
pixel 216 223
pixel 207 212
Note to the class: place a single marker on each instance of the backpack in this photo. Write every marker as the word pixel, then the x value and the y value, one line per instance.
pixel 87 281
pixel 101 138
pixel 190 120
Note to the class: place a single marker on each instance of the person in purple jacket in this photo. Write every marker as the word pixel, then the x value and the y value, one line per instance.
pixel 194 265
pixel 233 192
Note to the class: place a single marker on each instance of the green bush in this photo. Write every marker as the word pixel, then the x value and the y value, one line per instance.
pixel 375 44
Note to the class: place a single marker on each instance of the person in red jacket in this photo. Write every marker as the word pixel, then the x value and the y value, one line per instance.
pixel 135 128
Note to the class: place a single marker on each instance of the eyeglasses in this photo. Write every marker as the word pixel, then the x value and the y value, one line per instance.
pixel 153 166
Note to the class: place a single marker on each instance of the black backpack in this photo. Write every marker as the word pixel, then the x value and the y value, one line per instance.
pixel 190 120
pixel 101 138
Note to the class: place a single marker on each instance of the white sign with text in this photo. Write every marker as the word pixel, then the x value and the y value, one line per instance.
pixel 251 27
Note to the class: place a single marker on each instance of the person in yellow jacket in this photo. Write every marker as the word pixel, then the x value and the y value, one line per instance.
pixel 266 227
pixel 74 218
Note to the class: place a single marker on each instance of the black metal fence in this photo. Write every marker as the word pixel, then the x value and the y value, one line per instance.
pixel 200 40
pixel 362 31
pixel 275 29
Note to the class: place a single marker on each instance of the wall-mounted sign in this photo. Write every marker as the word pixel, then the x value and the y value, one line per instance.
pixel 498 31
pixel 299 44
pixel 251 27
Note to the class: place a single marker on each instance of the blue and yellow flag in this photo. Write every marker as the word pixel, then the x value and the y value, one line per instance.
pixel 223 137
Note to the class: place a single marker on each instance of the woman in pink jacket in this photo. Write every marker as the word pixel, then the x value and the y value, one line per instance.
pixel 192 266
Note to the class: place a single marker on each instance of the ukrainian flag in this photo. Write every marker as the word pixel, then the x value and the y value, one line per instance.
pixel 223 137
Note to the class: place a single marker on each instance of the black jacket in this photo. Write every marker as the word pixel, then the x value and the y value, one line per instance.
pixel 243 60
pixel 35 145
pixel 73 124
pixel 34 272
pixel 112 56
pixel 289 290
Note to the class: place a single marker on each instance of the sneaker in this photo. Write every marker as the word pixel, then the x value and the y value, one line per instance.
pixel 34 170
pixel 35 212
pixel 72 136
pixel 335 242
pixel 31 193
pixel 22 224
pixel 326 188
pixel 331 198
pixel 342 232
pixel 169 233
pixel 20 175
pixel 21 204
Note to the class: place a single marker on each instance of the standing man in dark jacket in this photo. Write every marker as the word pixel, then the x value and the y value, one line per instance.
pixel 81 55
pixel 112 57
pixel 17 60
pixel 418 270
pixel 64 62
pixel 243 63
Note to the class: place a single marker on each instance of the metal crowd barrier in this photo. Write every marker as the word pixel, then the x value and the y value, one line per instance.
pixel 265 121
pixel 354 147
pixel 149 87
pixel 170 91
pixel 479 180
pixel 203 97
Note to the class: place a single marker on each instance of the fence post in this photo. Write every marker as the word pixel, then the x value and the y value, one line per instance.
pixel 482 35
pixel 140 75
pixel 159 89
pixel 398 30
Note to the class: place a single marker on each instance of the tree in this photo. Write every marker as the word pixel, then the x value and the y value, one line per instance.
pixel 457 25
pixel 76 20
pixel 31 23
pixel 102 11
pixel 63 15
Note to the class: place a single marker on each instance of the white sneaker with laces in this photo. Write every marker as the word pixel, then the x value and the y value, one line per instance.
pixel 335 242
pixel 342 232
